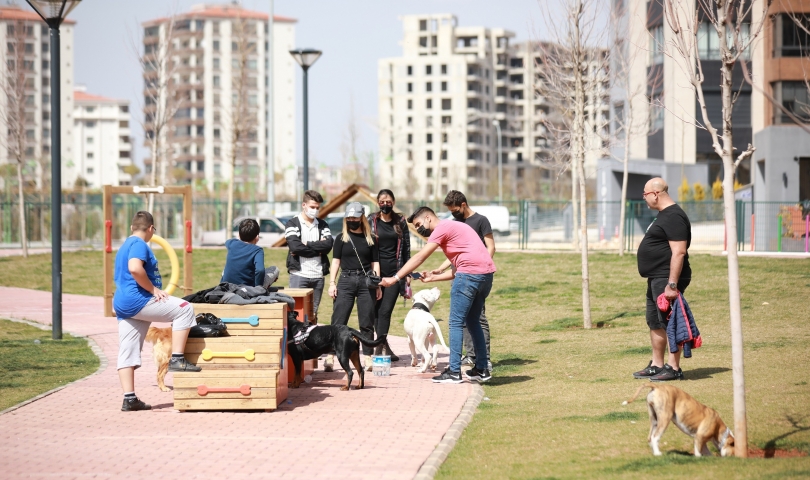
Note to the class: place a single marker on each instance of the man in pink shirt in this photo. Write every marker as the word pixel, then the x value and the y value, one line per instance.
pixel 472 268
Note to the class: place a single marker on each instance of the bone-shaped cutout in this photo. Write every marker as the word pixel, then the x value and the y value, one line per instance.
pixel 248 354
pixel 253 320
pixel 204 390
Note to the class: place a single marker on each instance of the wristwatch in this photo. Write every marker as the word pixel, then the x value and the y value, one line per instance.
pixel 673 285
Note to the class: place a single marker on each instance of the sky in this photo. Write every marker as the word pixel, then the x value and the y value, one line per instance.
pixel 353 35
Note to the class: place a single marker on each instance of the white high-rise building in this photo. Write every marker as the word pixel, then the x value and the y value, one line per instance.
pixel 24 36
pixel 205 44
pixel 437 105
pixel 101 141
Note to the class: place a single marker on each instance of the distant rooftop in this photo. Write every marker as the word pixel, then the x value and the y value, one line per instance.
pixel 223 11
pixel 11 12
pixel 80 95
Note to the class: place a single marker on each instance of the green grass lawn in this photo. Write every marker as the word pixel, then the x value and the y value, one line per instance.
pixel 554 404
pixel 28 368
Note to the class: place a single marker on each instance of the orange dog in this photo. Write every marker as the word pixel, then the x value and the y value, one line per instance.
pixel 161 340
pixel 666 403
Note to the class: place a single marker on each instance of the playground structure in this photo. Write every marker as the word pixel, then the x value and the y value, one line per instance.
pixel 339 200
pixel 109 259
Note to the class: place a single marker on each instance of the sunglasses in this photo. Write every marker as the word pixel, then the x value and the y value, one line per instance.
pixel 644 195
pixel 382 204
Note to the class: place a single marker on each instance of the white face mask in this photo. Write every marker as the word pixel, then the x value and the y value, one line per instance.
pixel 311 213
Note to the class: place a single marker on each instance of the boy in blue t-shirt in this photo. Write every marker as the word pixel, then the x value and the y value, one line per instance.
pixel 244 264
pixel 139 301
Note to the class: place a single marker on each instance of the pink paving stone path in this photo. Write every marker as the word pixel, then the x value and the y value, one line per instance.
pixel 386 430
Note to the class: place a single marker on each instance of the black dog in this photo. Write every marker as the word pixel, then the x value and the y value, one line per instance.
pixel 325 339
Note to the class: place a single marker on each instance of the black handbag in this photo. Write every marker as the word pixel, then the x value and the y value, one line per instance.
pixel 208 325
pixel 372 279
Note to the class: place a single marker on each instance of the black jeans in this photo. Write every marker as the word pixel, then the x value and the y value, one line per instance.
pixel 349 288
pixel 384 308
pixel 468 343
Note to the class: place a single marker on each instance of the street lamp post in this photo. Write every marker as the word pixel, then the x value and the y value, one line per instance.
pixel 306 57
pixel 497 126
pixel 54 12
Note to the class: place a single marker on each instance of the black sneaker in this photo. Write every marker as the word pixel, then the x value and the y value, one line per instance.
pixel 649 371
pixel 182 365
pixel 448 377
pixel 474 374
pixel 134 404
pixel 667 373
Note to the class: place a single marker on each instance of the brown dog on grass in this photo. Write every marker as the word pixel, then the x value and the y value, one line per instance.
pixel 161 340
pixel 666 403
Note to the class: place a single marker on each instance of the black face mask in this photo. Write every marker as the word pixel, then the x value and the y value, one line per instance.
pixel 458 215
pixel 352 225
pixel 387 209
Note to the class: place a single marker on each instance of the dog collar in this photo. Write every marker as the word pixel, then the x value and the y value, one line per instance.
pixel 420 306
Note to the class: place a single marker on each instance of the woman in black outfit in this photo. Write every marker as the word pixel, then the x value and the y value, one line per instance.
pixel 390 229
pixel 355 254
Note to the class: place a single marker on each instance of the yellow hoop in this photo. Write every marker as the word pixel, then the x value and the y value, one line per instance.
pixel 175 276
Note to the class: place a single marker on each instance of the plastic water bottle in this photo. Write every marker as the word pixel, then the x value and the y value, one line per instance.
pixel 308 378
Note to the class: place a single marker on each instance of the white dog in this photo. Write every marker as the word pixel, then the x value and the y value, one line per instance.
pixel 422 329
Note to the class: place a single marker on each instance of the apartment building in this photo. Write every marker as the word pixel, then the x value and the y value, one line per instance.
pixel 437 105
pixel 101 141
pixel 25 54
pixel 207 45
pixel 675 149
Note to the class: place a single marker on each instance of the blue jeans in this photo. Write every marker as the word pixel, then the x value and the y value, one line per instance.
pixel 467 298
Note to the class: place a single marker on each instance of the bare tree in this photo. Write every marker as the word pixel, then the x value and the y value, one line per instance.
pixel 731 20
pixel 18 87
pixel 574 69
pixel 352 171
pixel 631 119
pixel 160 100
pixel 241 113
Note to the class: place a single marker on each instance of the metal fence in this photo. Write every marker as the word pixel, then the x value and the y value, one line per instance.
pixel 535 225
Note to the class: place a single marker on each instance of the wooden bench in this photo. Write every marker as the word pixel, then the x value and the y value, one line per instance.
pixel 245 370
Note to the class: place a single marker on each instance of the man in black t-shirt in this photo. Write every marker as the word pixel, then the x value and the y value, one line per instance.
pixel 456 203
pixel 663 260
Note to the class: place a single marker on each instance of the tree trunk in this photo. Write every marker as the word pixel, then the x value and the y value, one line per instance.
pixel 229 211
pixel 625 161
pixel 574 205
pixel 730 214
pixel 581 61
pixel 583 241
pixel 153 175
pixel 23 233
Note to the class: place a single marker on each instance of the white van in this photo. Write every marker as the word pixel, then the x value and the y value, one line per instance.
pixel 497 215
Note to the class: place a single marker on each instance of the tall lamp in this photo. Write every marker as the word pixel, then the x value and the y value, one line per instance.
pixel 54 12
pixel 306 57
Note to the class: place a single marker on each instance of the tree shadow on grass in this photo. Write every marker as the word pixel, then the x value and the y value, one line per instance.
pixel 512 362
pixel 703 373
pixel 796 427
pixel 498 381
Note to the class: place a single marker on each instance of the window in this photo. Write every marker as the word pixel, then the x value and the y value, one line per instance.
pixel 215 45
pixel 123 124
pixel 656 113
pixel 216 133
pixel 90 155
pixel 444 172
pixel 410 104
pixel 90 139
pixel 429 87
pixel 410 70
pixel 423 41
pixel 618 116
pixel 657 44
pixel 793 96
pixel 429 121
pixel 444 86
pixel 429 103
pixel 216 80
pixel 89 124
pixel 444 154
pixel 217 154
pixel 444 69
pixel 410 121
pixel 422 25
pixel 89 109
pixel 428 69
pixel 123 154
pixel 410 138
pixel 429 155
pixel 709 44
pixel 216 63
pixel 429 138
pixel 444 137
pixel 410 154
pixel 446 104
pixel 447 120
pixel 429 172
pixel 410 87
pixel 151 31
pixel 90 170
pixel 791 40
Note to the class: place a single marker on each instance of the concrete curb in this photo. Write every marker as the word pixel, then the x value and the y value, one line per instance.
pixel 428 469
pixel 103 362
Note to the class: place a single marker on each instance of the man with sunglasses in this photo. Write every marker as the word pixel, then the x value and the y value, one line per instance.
pixel 663 260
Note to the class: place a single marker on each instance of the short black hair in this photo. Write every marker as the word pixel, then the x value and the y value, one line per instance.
pixel 454 198
pixel 419 212
pixel 142 221
pixel 312 195
pixel 248 230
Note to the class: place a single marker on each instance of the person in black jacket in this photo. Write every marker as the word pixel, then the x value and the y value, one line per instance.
pixel 309 240
pixel 356 255
pixel 390 231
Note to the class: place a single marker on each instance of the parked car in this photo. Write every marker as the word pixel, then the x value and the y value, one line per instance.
pixel 498 217
pixel 270 230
